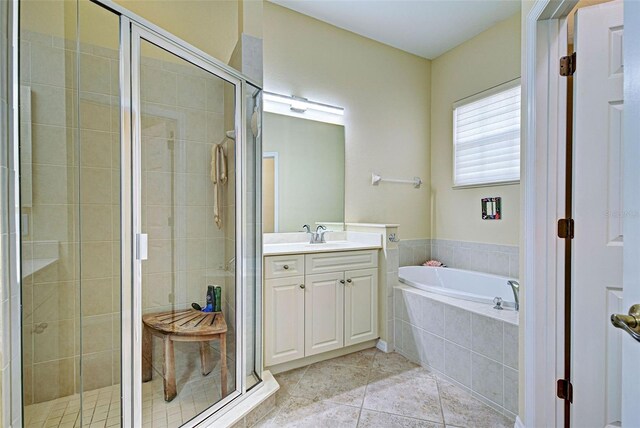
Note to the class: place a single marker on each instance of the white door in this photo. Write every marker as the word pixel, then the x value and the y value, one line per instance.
pixel 324 312
pixel 598 213
pixel 360 306
pixel 284 319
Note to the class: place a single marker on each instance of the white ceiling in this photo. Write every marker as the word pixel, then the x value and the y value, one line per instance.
pixel 427 28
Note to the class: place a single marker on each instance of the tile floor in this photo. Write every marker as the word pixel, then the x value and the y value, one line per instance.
pixel 374 389
pixel 364 389
pixel 101 407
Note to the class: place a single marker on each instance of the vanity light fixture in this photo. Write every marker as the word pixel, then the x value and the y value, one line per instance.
pixel 302 108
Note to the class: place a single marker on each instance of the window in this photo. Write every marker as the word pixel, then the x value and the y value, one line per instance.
pixel 486 137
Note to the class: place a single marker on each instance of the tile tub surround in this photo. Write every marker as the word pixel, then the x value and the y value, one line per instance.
pixel 465 343
pixel 478 256
pixel 371 388
pixel 414 252
pixel 488 258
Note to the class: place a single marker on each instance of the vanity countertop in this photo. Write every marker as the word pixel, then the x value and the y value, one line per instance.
pixel 306 248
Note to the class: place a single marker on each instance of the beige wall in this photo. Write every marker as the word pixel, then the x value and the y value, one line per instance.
pixel 487 60
pixel 211 26
pixel 386 96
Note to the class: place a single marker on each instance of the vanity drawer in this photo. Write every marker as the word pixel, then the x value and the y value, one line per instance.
pixel 283 266
pixel 340 261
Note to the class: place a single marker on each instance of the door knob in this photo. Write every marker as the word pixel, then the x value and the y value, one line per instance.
pixel 349 281
pixel 286 267
pixel 302 286
pixel 629 323
pixel 342 281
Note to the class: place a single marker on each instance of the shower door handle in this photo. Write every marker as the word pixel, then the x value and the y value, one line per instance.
pixel 142 246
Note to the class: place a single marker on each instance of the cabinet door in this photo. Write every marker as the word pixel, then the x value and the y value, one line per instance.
pixel 284 319
pixel 324 312
pixel 360 306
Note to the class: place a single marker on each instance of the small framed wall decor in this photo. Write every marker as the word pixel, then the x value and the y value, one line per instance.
pixel 492 208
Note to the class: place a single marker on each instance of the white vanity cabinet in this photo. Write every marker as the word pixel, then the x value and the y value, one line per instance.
pixel 323 312
pixel 332 305
pixel 360 306
pixel 284 319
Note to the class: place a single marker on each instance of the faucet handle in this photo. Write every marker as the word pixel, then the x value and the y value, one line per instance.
pixel 306 226
pixel 498 303
pixel 321 228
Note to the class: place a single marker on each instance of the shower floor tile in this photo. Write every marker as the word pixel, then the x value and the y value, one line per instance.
pixel 101 407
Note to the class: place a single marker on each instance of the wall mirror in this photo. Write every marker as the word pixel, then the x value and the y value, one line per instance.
pixel 303 172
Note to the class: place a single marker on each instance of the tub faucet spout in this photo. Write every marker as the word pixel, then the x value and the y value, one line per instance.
pixel 515 287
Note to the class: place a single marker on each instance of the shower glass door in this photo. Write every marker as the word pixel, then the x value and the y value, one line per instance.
pixel 185 217
pixel 140 222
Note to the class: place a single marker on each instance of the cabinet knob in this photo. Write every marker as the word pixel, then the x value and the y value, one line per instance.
pixel 302 286
pixel 285 267
pixel 342 281
pixel 349 281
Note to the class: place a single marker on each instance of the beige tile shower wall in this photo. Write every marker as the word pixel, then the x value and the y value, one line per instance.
pixel 386 95
pixel 487 60
pixel 68 311
pixel 74 164
pixel 183 117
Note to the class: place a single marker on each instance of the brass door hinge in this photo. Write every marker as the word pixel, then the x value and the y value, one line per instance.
pixel 566 228
pixel 564 390
pixel 568 65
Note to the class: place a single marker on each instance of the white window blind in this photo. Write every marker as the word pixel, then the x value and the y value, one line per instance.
pixel 486 137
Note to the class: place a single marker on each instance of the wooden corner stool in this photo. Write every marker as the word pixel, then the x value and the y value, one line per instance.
pixel 187 325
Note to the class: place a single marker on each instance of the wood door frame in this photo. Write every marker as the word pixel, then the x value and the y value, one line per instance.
pixel 543 177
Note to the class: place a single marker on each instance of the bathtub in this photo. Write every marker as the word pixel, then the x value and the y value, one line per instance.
pixel 462 284
pixel 445 319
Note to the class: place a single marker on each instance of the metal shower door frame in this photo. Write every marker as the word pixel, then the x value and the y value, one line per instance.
pixel 133 29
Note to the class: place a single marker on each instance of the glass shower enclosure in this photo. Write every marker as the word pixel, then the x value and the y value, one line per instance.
pixel 139 221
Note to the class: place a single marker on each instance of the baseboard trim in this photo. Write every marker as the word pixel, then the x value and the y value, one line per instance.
pixel 295 364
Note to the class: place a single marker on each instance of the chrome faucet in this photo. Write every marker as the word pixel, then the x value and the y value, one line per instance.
pixel 515 287
pixel 317 237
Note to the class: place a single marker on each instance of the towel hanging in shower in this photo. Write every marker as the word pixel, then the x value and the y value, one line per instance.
pixel 218 178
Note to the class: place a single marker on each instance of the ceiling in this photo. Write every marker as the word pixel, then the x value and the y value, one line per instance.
pixel 427 28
